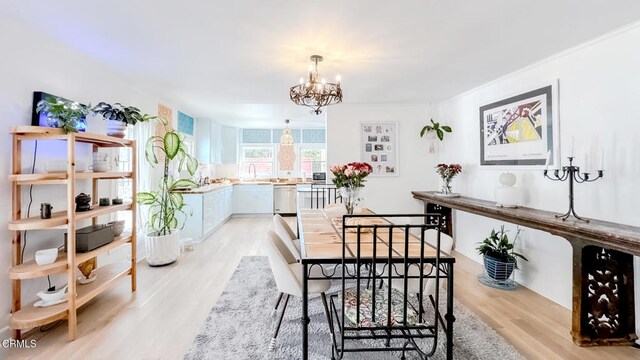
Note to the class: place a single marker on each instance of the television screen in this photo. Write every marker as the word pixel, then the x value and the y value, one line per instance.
pixel 41 118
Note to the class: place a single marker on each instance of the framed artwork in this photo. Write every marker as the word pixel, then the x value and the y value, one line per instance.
pixel 521 130
pixel 185 123
pixel 379 147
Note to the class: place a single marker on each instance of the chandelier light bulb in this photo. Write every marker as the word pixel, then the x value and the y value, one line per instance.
pixel 324 81
pixel 338 78
pixel 301 81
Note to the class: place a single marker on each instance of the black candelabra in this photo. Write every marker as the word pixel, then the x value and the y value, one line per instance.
pixel 572 173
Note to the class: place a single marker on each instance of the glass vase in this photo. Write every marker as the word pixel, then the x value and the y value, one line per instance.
pixel 349 198
pixel 446 187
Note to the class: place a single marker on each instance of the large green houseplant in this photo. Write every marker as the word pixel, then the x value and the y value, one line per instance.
pixel 63 114
pixel 118 116
pixel 499 256
pixel 167 212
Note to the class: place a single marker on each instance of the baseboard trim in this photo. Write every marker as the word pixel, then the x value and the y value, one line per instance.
pixel 252 215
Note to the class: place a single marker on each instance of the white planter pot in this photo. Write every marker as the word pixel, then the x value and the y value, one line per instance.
pixel 163 250
pixel 116 128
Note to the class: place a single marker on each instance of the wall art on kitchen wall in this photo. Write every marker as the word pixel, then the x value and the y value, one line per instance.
pixel 185 123
pixel 521 130
pixel 379 147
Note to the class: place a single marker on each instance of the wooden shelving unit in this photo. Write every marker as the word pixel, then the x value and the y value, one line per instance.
pixel 29 316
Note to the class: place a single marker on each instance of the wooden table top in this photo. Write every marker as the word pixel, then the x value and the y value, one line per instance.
pixel 321 238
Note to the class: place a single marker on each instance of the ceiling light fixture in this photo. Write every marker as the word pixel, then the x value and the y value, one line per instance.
pixel 287 153
pixel 316 92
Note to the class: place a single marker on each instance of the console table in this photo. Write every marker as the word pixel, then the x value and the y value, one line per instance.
pixel 603 295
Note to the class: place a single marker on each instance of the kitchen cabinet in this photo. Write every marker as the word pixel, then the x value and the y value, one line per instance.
pixel 216 144
pixel 210 210
pixel 253 199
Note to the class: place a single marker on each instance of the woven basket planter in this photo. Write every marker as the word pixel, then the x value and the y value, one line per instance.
pixel 498 269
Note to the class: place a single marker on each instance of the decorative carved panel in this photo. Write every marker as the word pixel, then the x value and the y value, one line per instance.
pixel 607 278
pixel 445 212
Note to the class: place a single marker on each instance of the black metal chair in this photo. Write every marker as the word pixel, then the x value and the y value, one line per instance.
pixel 392 318
pixel 323 195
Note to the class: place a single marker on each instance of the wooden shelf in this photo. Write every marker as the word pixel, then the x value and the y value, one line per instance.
pixel 61 178
pixel 45 133
pixel 59 219
pixel 31 316
pixel 31 270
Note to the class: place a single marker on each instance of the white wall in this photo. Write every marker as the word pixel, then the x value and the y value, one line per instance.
pixel 416 167
pixel 30 62
pixel 599 106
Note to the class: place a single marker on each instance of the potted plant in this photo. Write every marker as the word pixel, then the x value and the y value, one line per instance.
pixel 167 212
pixel 63 114
pixel 433 130
pixel 499 256
pixel 349 179
pixel 119 116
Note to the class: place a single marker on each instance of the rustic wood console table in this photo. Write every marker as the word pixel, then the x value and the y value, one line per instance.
pixel 603 298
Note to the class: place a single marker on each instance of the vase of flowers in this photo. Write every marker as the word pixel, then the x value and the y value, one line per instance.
pixel 447 173
pixel 349 179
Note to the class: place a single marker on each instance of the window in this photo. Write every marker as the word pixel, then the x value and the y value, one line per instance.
pixel 313 160
pixel 261 156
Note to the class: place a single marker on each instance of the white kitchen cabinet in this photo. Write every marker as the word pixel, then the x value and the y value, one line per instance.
pixel 253 199
pixel 229 145
pixel 210 210
pixel 216 144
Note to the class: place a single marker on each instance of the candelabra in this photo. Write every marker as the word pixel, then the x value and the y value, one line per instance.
pixel 572 173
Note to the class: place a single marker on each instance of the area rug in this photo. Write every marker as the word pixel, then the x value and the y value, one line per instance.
pixel 240 325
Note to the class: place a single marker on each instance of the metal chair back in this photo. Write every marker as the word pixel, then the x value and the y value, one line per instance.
pixel 323 195
pixel 403 251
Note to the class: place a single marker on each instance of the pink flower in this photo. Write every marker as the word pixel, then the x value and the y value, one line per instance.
pixel 349 171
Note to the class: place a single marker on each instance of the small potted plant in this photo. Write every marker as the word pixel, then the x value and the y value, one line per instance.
pixel 447 172
pixel 119 116
pixel 499 256
pixel 63 114
pixel 432 131
pixel 167 211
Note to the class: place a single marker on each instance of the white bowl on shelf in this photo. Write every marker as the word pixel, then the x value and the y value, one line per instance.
pixel 46 256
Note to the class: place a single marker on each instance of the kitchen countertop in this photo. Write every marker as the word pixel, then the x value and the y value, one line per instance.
pixel 213 187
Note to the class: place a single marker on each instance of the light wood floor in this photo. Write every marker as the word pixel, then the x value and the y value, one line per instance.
pixel 162 318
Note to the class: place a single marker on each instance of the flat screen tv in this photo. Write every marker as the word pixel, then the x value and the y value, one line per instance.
pixel 41 118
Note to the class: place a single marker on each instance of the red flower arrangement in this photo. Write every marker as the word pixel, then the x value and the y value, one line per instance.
pixel 351 175
pixel 447 173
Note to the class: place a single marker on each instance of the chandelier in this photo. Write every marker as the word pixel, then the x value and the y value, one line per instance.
pixel 315 92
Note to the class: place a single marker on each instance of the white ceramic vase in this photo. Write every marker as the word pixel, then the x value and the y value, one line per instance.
pixel 116 128
pixel 163 250
pixel 507 195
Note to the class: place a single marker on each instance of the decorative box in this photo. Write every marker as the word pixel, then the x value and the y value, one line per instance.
pixel 92 237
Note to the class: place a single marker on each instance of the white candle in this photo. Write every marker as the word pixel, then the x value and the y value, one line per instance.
pixel 546 164
pixel 601 165
pixel 571 148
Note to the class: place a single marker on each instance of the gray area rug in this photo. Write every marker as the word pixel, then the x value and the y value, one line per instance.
pixel 240 325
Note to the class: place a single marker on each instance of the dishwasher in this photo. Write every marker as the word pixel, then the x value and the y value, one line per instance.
pixel 284 199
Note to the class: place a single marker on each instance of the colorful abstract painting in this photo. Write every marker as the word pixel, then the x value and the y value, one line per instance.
pixel 520 130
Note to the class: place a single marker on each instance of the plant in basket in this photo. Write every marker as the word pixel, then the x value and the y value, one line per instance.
pixel 499 256
pixel 349 178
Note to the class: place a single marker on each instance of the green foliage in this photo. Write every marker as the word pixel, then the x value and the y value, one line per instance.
pixel 167 210
pixel 127 114
pixel 498 246
pixel 435 126
pixel 67 113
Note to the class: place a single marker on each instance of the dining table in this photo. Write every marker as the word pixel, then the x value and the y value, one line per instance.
pixel 321 244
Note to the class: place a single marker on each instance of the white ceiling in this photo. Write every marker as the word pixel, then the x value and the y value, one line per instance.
pixel 234 61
